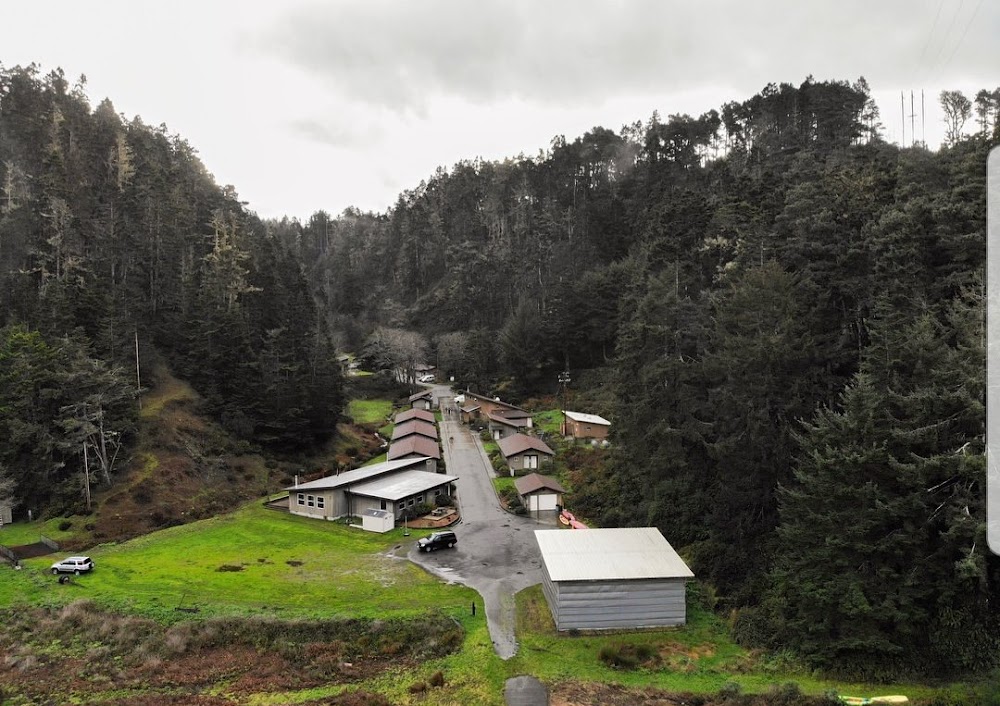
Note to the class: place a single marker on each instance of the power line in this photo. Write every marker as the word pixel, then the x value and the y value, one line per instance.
pixel 968 26
pixel 944 42
pixel 930 35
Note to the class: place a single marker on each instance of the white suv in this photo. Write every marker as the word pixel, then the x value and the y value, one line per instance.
pixel 73 565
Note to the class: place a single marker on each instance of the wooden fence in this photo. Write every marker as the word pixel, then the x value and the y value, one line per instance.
pixel 8 554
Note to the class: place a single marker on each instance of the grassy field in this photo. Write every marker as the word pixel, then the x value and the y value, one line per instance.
pixel 373 412
pixel 260 563
pixel 548 421
pixel 253 561
pixel 698 657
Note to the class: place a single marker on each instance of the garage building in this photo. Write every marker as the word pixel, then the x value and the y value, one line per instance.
pixel 539 493
pixel 611 579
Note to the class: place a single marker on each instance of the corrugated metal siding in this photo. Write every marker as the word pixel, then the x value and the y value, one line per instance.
pixel 607 605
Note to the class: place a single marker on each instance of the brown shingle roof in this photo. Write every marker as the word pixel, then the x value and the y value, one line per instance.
pixel 492 400
pixel 518 422
pixel 422 414
pixel 518 443
pixel 533 482
pixel 413 444
pixel 414 426
pixel 421 395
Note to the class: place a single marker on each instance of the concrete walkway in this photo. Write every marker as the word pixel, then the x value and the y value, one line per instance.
pixel 496 554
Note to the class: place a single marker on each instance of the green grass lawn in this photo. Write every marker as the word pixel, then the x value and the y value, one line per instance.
pixel 29 532
pixel 369 411
pixel 289 566
pixel 548 421
pixel 503 482
pixel 698 657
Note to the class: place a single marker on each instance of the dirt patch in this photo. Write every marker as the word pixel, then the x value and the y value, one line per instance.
pixel 573 694
pixel 48 656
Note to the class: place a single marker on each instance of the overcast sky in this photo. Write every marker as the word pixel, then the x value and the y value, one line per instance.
pixel 323 105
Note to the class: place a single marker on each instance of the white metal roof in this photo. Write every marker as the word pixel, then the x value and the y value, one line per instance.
pixel 357 475
pixel 402 485
pixel 587 418
pixel 609 554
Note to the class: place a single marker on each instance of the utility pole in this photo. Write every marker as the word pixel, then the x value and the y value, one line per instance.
pixel 86 473
pixel 902 116
pixel 913 114
pixel 138 380
pixel 564 380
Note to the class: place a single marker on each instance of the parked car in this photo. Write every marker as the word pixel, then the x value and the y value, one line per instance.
pixel 436 541
pixel 73 565
pixel 426 378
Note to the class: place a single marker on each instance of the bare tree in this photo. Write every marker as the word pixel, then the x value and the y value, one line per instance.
pixel 957 110
pixel 396 350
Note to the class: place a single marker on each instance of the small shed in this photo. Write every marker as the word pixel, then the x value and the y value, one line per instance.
pixel 539 493
pixel 470 413
pixel 6 515
pixel 374 520
pixel 422 400
pixel 613 578
pixel 585 426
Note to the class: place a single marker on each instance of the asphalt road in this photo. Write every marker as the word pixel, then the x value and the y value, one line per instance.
pixel 496 553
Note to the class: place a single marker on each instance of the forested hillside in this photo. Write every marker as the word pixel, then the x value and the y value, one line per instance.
pixel 786 312
pixel 792 311
pixel 114 237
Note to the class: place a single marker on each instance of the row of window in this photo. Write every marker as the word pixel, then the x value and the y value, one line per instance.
pixel 317 501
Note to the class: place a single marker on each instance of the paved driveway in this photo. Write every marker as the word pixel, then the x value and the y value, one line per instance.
pixel 496 553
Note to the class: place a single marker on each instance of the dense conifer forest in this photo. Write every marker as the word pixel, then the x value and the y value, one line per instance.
pixel 786 313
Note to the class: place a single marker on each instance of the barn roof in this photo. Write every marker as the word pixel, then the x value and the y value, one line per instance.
pixel 518 443
pixel 421 414
pixel 587 418
pixel 609 554
pixel 413 444
pixel 533 482
pixel 414 426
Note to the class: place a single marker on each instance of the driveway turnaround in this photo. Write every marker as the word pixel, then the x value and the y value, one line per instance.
pixel 496 552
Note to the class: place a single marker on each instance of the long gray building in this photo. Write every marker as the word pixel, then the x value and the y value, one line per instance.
pixel 613 578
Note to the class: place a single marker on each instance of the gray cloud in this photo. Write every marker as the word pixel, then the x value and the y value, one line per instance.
pixel 333 133
pixel 401 55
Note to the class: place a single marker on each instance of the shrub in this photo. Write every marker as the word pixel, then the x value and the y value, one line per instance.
pixel 787 694
pixel 499 464
pixel 485 435
pixel 626 656
pixel 437 679
pixel 64 526
pixel 730 690
pixel 443 501
pixel 417 687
